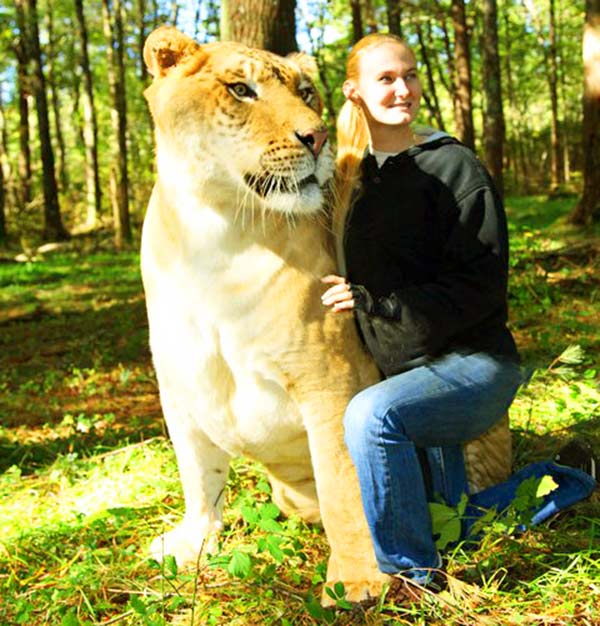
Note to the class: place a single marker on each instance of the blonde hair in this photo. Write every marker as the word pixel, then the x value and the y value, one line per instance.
pixel 352 133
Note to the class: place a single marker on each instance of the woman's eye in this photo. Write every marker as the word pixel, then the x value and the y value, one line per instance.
pixel 241 91
pixel 386 80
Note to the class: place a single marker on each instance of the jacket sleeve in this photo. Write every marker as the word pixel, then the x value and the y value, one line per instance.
pixel 470 286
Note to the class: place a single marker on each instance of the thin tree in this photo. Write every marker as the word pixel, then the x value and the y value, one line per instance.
pixel 358 31
pixel 119 179
pixel 5 176
pixel 54 229
pixel 267 24
pixel 550 51
pixel 555 138
pixel 61 159
pixel 431 98
pixel 462 92
pixel 394 17
pixel 588 208
pixel 370 16
pixel 90 125
pixel 141 11
pixel 493 116
pixel 21 51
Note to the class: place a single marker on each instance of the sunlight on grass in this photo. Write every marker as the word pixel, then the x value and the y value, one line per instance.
pixel 72 488
pixel 87 478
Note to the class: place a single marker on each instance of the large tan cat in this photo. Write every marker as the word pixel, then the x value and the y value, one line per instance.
pixel 235 242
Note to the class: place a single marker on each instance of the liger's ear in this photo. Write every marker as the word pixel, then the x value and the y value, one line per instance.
pixel 166 48
pixel 306 63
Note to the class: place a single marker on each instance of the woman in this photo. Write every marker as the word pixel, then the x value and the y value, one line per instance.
pixel 424 250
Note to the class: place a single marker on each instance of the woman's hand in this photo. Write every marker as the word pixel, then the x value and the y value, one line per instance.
pixel 339 297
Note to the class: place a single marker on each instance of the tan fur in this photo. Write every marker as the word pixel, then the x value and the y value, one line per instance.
pixel 248 360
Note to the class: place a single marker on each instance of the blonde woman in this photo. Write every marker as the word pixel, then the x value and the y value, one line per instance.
pixel 424 252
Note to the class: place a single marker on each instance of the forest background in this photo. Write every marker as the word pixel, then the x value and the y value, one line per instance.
pixel 87 476
pixel 76 138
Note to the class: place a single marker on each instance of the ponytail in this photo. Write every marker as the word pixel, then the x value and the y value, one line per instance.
pixel 352 141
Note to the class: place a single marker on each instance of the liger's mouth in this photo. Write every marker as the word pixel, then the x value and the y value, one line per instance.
pixel 273 183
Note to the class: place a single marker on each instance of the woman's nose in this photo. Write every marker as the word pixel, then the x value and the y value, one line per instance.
pixel 401 88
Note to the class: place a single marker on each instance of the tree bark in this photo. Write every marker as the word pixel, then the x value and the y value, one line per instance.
pixel 588 209
pixel 119 183
pixel 3 180
pixel 556 161
pixel 463 104
pixel 90 127
pixel 493 116
pixel 394 17
pixel 267 24
pixel 54 229
pixel 432 102
pixel 357 21
pixel 370 17
pixel 141 6
pixel 61 161
pixel 24 162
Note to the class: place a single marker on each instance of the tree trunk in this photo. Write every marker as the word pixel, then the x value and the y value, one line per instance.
pixel 370 17
pixel 174 13
pixel 588 209
pixel 432 101
pixel 141 5
pixel 61 161
pixel 493 116
pixel 394 17
pixel 556 161
pixel 53 226
pixel 316 48
pixel 7 185
pixel 357 22
pixel 267 24
pixel 119 183
pixel 197 19
pixel 3 181
pixel 24 163
pixel 463 105
pixel 90 127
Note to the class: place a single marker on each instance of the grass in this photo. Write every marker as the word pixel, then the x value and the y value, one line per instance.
pixel 88 477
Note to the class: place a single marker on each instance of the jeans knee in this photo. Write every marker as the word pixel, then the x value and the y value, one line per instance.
pixel 360 421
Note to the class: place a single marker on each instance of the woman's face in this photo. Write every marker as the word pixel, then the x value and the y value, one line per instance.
pixel 388 86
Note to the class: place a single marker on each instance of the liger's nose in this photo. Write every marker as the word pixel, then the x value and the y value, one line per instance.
pixel 313 139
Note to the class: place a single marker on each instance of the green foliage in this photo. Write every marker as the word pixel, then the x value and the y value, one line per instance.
pixel 88 478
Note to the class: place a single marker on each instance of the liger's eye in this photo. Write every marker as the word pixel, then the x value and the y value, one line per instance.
pixel 306 93
pixel 241 91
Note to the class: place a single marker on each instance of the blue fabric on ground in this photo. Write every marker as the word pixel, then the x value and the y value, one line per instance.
pixel 573 486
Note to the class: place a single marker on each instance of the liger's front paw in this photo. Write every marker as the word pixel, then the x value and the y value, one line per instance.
pixel 356 591
pixel 186 542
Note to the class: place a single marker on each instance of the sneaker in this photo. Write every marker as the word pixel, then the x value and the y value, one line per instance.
pixel 579 455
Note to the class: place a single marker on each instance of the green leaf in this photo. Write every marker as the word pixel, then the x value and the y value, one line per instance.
pixel 446 523
pixel 138 605
pixel 339 589
pixel 546 485
pixel 70 619
pixel 274 549
pixel 315 609
pixel 250 514
pixel 270 526
pixel 240 564
pixel 269 511
pixel 170 566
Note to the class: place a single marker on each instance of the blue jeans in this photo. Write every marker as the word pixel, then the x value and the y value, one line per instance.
pixel 435 408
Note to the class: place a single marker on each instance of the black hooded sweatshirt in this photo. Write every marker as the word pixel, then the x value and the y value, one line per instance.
pixel 426 252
